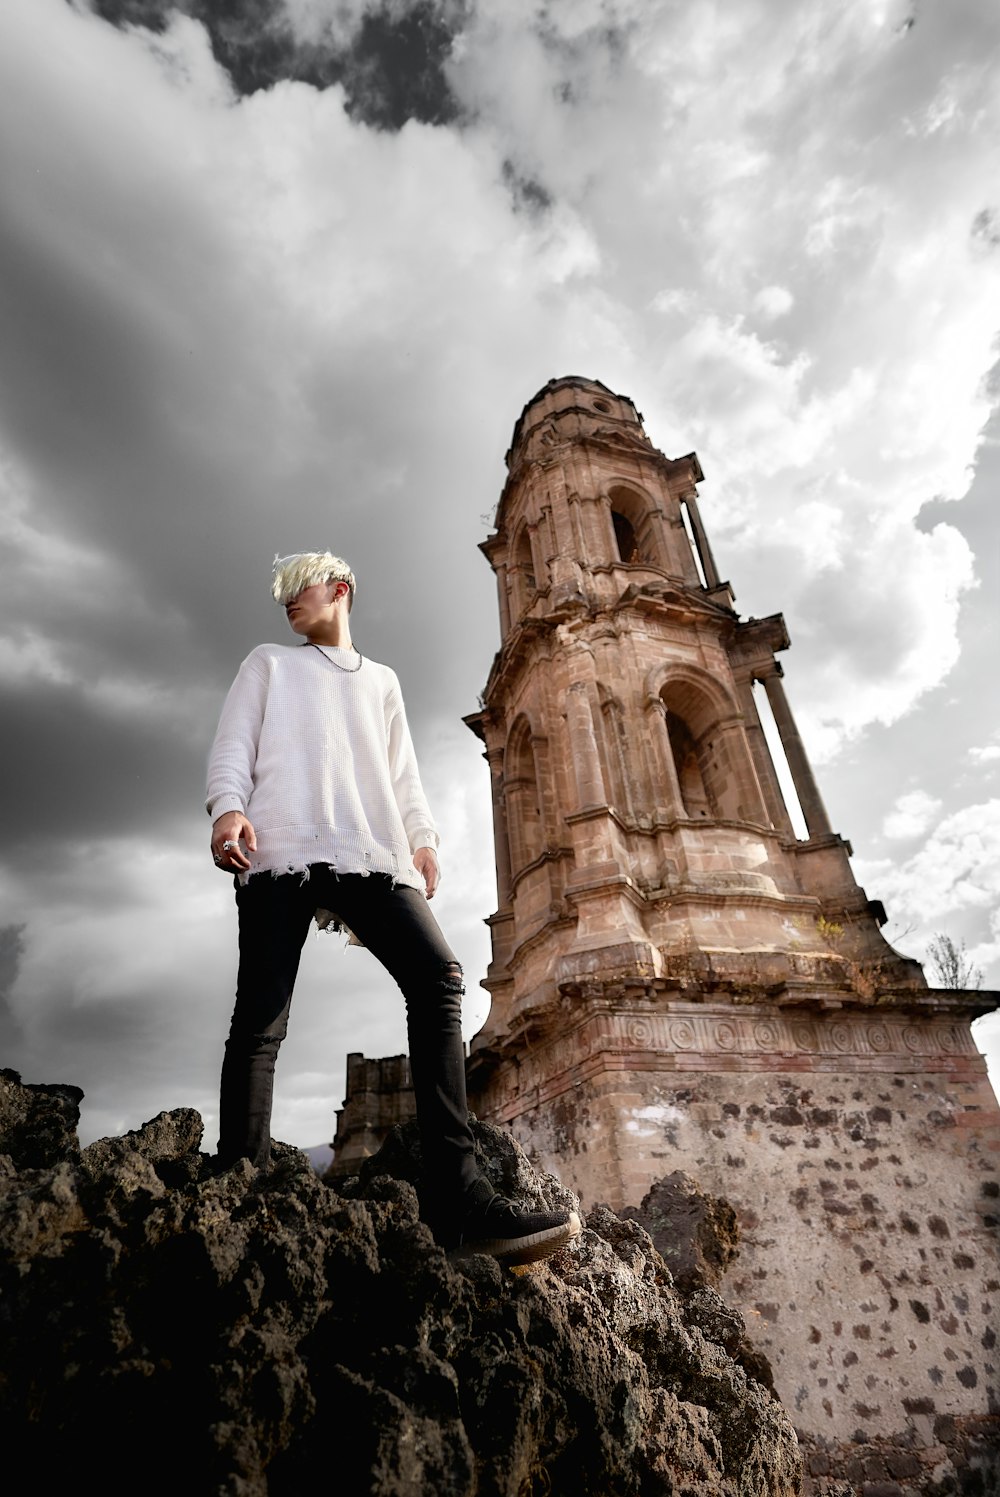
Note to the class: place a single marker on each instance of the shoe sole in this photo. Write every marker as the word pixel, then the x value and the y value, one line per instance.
pixel 529 1249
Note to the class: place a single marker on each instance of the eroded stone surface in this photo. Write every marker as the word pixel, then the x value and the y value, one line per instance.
pixel 247 1332
pixel 697 1234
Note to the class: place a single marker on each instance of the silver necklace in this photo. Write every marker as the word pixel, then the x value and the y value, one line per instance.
pixel 347 669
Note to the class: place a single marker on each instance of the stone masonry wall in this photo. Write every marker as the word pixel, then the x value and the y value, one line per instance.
pixel 869 1271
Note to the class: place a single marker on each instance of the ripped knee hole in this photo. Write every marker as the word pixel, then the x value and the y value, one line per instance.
pixel 453 977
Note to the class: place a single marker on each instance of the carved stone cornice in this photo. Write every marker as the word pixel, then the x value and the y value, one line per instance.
pixel 758 639
pixel 672 600
pixel 494 544
pixel 601 1040
pixel 612 442
pixel 516 651
pixel 476 723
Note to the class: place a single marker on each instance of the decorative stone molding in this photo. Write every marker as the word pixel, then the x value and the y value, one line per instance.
pixel 701 1037
pixel 761 1033
pixel 755 641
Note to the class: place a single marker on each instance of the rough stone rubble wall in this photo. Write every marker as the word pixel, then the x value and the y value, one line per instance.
pixel 869 1271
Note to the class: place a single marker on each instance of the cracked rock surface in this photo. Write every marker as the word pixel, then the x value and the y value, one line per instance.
pixel 165 1328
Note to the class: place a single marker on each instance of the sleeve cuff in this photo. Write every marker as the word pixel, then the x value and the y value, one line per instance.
pixel 425 836
pixel 223 803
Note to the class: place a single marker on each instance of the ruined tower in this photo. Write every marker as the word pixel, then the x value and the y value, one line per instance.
pixel 679 981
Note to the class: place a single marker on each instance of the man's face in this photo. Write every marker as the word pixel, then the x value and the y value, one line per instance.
pixel 312 606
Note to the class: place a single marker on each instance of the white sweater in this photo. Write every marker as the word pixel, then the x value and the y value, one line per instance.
pixel 321 761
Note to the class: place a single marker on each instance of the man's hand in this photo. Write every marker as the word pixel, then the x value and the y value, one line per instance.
pixel 232 827
pixel 426 863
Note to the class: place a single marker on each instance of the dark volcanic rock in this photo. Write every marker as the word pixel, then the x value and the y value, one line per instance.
pixel 37 1123
pixel 697 1234
pixel 169 1329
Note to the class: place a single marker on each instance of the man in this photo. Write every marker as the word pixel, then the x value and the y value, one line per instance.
pixel 318 811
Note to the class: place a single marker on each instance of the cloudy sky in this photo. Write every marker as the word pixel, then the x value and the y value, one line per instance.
pixel 281 275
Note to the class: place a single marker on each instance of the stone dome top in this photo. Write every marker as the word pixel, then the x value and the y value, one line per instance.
pixel 571 395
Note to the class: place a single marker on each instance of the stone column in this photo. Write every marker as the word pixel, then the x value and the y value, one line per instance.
pixel 503 600
pixel 501 839
pixel 583 748
pixel 565 570
pixel 701 540
pixel 770 788
pixel 816 819
pixel 546 538
pixel 656 718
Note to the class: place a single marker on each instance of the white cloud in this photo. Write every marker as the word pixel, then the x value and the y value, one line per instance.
pixel 803 200
pixel 27 657
pixel 911 815
pixel 950 884
pixel 866 663
pixel 773 301
pixel 184 55
pixel 986 1033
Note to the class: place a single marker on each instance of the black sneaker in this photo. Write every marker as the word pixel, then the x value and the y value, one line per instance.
pixel 493 1225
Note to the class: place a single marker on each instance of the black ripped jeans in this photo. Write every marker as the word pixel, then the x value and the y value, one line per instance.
pixel 396 925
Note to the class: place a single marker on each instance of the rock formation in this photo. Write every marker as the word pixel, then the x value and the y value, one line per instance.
pixel 167 1328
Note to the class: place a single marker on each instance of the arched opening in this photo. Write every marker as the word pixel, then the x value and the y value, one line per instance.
pixel 522 798
pixel 628 546
pixel 632 519
pixel 695 793
pixel 523 559
pixel 521 570
pixel 709 748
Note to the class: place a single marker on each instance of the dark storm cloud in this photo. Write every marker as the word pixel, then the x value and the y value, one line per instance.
pixel 392 68
pixel 394 71
pixel 103 1026
pixel 11 953
pixel 135 1037
pixel 94 774
pixel 78 351
pixel 113 327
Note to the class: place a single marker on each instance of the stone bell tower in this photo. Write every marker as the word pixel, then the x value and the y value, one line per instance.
pixel 681 982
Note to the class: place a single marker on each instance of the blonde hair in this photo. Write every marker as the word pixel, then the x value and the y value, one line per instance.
pixel 290 574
